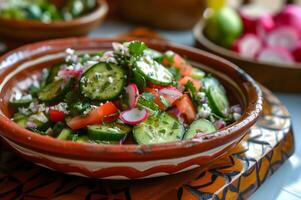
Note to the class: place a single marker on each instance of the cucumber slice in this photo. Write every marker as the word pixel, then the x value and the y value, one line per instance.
pixel 218 101
pixel 22 122
pixel 103 81
pixel 53 72
pixel 82 139
pixel 157 129
pixel 55 91
pixel 139 79
pixel 65 134
pixel 20 103
pixel 153 53
pixel 208 82
pixel 199 126
pixel 108 131
pixel 154 71
pixel 197 74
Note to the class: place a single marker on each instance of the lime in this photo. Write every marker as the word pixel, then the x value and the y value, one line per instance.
pixel 223 27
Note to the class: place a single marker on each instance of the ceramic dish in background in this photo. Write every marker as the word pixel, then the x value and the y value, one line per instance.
pixel 25 31
pixel 279 77
pixel 129 161
pixel 165 14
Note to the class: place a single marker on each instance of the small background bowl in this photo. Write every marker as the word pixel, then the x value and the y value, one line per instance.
pixel 165 14
pixel 279 77
pixel 16 32
pixel 128 161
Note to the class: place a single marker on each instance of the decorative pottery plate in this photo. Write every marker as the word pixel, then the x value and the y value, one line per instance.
pixel 129 161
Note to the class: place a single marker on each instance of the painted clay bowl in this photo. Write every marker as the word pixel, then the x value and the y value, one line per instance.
pixel 280 77
pixel 24 31
pixel 129 161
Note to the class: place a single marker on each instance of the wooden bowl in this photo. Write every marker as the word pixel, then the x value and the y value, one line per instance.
pixel 25 31
pixel 165 14
pixel 128 161
pixel 275 76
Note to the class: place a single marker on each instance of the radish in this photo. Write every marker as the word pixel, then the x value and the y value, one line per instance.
pixel 248 46
pixel 284 36
pixel 171 94
pixel 297 52
pixel 133 94
pixel 134 116
pixel 265 24
pixel 290 16
pixel 250 15
pixel 275 55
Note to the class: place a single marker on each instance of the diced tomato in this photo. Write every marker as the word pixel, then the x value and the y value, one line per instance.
pixel 196 83
pixel 186 107
pixel 179 63
pixel 155 86
pixel 56 115
pixel 111 118
pixel 96 116
pixel 157 98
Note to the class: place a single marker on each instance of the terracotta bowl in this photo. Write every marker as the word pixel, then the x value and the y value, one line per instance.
pixel 275 76
pixel 29 30
pixel 129 161
pixel 162 13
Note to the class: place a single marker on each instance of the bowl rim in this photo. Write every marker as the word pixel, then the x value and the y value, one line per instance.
pixel 198 32
pixel 128 152
pixel 101 10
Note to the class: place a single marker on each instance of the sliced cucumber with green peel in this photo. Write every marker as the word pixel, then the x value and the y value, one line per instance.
pixel 55 91
pixel 53 72
pixel 103 81
pixel 208 82
pixel 199 126
pixel 108 131
pixel 154 71
pixel 197 74
pixel 218 101
pixel 65 134
pixel 20 103
pixel 152 53
pixel 83 139
pixel 216 95
pixel 157 129
pixel 139 79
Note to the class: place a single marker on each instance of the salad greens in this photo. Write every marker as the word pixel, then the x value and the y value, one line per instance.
pixel 44 10
pixel 129 91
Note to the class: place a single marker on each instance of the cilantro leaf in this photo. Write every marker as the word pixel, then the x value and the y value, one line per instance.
pixel 136 48
pixel 192 92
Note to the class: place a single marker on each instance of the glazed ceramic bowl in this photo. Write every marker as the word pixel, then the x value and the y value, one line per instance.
pixel 279 77
pixel 24 31
pixel 128 161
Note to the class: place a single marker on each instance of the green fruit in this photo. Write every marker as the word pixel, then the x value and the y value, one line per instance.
pixel 223 27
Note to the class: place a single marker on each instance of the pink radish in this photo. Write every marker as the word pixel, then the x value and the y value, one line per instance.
pixel 297 52
pixel 133 94
pixel 275 55
pixel 248 46
pixel 265 24
pixel 171 94
pixel 290 16
pixel 250 15
pixel 284 36
pixel 134 116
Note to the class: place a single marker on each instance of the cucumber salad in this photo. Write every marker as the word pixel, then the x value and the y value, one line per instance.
pixel 129 94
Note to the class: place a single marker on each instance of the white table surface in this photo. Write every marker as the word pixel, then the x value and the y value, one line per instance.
pixel 285 184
